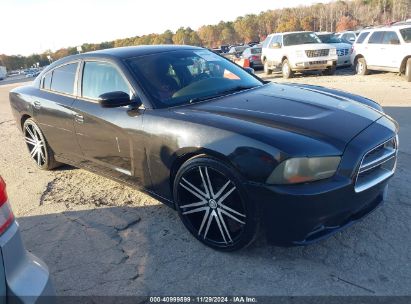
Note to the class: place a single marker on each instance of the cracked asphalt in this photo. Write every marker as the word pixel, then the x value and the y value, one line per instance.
pixel 99 237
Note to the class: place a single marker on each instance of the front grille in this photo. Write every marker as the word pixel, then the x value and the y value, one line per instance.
pixel 342 52
pixel 377 165
pixel 318 62
pixel 317 53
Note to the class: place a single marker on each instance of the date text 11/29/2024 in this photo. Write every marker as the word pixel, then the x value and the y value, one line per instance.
pixel 205 299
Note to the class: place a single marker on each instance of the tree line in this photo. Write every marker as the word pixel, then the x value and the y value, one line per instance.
pixel 335 16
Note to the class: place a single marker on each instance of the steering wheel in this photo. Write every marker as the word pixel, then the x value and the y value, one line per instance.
pixel 202 76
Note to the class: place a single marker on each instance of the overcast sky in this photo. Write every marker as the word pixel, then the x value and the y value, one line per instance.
pixel 33 26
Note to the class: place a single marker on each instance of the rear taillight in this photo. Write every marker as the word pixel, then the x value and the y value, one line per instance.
pixel 6 214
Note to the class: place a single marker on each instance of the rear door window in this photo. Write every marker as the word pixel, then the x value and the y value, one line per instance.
pixel 390 38
pixel 362 37
pixel 47 81
pixel 63 79
pixel 376 38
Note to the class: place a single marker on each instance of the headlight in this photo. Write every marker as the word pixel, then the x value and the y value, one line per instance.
pixel 299 53
pixel 333 51
pixel 300 170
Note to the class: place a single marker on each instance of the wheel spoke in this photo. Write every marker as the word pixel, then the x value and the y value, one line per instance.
pixel 204 220
pixel 202 203
pixel 31 133
pixel 209 183
pixel 193 190
pixel 221 199
pixel 204 183
pixel 210 219
pixel 38 157
pixel 30 141
pixel 223 224
pixel 196 210
pixel 222 189
pixel 33 152
pixel 232 216
pixel 231 210
pixel 43 158
pixel 219 226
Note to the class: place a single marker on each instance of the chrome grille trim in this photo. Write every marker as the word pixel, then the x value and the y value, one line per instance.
pixel 371 171
pixel 317 53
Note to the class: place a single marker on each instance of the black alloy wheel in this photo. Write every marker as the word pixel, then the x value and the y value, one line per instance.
pixel 39 150
pixel 212 204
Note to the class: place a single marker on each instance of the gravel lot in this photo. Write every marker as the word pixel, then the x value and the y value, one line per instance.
pixel 102 238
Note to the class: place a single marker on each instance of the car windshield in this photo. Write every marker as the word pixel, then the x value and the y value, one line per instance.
pixel 256 50
pixel 187 76
pixel 406 34
pixel 330 38
pixel 300 38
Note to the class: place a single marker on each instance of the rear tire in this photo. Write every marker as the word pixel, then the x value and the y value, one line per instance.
pixel 361 67
pixel 39 149
pixel 408 70
pixel 286 70
pixel 267 70
pixel 212 204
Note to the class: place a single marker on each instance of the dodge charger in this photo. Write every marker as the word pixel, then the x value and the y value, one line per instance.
pixel 231 153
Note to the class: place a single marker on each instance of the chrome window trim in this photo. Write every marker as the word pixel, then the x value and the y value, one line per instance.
pixel 78 61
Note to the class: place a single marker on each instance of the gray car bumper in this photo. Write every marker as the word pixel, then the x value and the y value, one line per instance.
pixel 27 277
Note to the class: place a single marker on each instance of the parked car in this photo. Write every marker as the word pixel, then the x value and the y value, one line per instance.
pixel 297 52
pixel 3 72
pixel 383 49
pixel 229 151
pixel 24 278
pixel 253 54
pixel 348 35
pixel 343 47
pixel 235 52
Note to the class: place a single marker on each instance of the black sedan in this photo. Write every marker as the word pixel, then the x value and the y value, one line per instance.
pixel 229 151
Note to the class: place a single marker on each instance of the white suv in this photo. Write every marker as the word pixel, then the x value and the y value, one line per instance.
pixel 383 49
pixel 297 52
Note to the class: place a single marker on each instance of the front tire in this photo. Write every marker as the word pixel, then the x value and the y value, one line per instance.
pixel 286 69
pixel 408 70
pixel 361 67
pixel 212 204
pixel 39 149
pixel 267 70
pixel 330 71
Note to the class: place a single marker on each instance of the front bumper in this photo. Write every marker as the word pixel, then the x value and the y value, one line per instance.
pixel 27 277
pixel 304 213
pixel 314 64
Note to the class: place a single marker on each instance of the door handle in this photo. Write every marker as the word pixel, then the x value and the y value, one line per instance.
pixel 37 105
pixel 78 118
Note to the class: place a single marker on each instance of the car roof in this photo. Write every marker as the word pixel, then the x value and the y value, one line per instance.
pixel 135 51
pixel 121 53
pixel 285 33
pixel 387 28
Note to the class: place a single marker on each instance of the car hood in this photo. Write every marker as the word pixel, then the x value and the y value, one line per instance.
pixel 319 114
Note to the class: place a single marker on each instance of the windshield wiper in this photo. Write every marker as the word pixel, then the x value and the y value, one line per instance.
pixel 222 93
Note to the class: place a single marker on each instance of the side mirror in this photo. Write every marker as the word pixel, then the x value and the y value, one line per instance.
pixel 250 70
pixel 116 99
